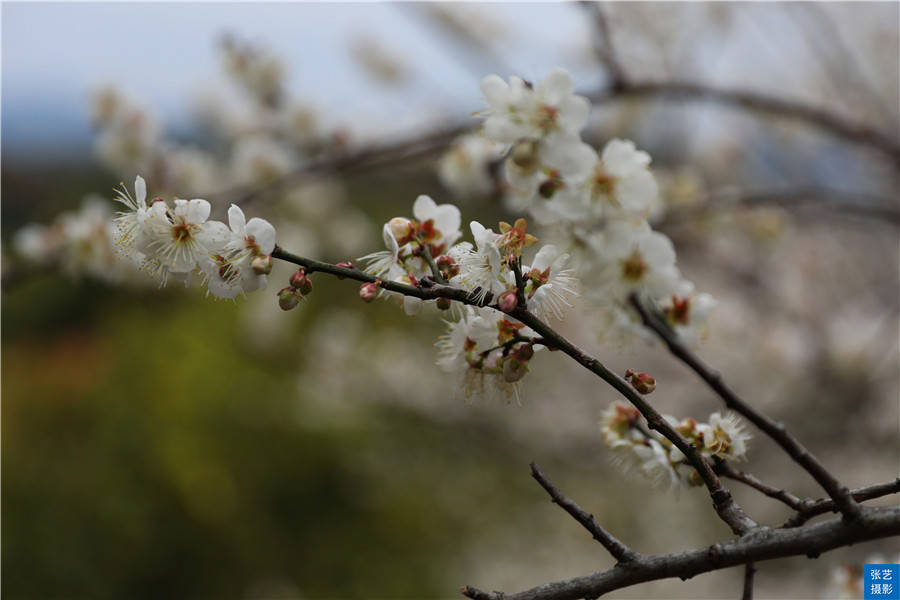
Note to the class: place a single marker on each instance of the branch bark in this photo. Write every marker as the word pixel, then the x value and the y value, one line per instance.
pixel 824 505
pixel 757 546
pixel 619 551
pixel 725 469
pixel 839 493
pixel 727 509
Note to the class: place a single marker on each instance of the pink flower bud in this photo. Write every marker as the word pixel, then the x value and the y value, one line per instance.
pixel 642 382
pixel 288 298
pixel 368 291
pixel 346 264
pixel 507 301
pixel 262 265
pixel 300 282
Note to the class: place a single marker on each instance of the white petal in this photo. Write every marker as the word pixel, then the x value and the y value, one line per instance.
pixel 495 90
pixel 264 234
pixel 555 87
pixel 198 211
pixel 574 112
pixel 236 220
pixel 412 305
pixel 545 257
pixel 424 208
pixel 140 191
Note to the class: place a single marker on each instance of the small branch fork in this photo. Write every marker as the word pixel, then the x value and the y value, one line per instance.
pixel 762 544
pixel 754 543
pixel 839 493
pixel 619 551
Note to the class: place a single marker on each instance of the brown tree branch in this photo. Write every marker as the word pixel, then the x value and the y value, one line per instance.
pixel 825 120
pixel 756 546
pixel 418 147
pixel 749 572
pixel 604 47
pixel 824 505
pixel 620 551
pixel 727 509
pixel 725 469
pixel 842 202
pixel 775 430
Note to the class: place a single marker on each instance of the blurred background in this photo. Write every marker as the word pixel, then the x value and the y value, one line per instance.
pixel 157 442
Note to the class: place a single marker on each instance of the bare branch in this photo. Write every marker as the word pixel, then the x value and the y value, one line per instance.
pixel 762 544
pixel 749 571
pixel 822 506
pixel 726 470
pixel 857 204
pixel 775 430
pixel 418 147
pixel 620 551
pixel 727 509
pixel 823 119
pixel 604 47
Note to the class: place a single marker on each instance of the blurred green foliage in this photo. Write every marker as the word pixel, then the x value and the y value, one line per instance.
pixel 149 451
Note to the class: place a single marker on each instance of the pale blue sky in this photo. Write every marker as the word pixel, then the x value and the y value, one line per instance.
pixel 165 54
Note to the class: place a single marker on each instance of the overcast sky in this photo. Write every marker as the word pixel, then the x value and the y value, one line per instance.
pixel 165 55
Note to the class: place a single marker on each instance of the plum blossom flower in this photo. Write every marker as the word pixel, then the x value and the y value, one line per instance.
pixel 636 259
pixel 479 267
pixel 465 167
pixel 231 272
pixel 549 284
pixel 486 347
pixel 516 110
pixel 181 238
pixel 724 436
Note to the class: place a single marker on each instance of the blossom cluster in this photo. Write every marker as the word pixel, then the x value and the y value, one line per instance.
pixel 597 206
pixel 482 341
pixel 638 449
pixel 181 242
pixel 80 242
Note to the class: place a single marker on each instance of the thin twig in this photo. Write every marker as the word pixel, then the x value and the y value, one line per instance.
pixel 418 147
pixel 426 254
pixel 727 509
pixel 775 430
pixel 824 505
pixel 725 469
pixel 620 551
pixel 757 546
pixel 857 204
pixel 604 47
pixel 853 131
pixel 749 571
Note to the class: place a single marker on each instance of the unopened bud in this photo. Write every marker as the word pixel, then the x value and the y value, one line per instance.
pixel 262 265
pixel 524 352
pixel 507 301
pixel 524 156
pixel 346 264
pixel 288 298
pixel 448 266
pixel 368 291
pixel 642 382
pixel 549 187
pixel 513 369
pixel 443 303
pixel 300 282
pixel 401 227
